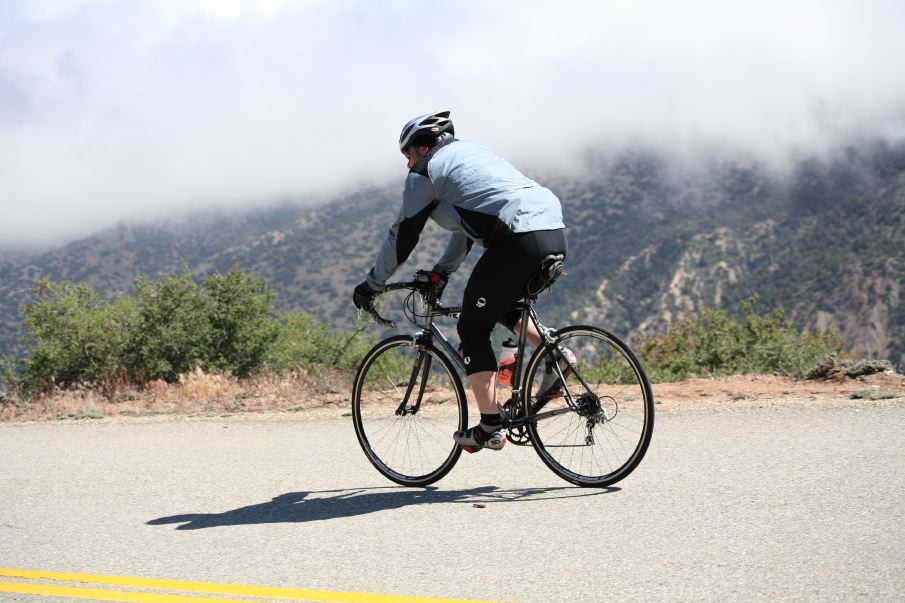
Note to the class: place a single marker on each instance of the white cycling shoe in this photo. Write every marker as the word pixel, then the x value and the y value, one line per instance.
pixel 475 438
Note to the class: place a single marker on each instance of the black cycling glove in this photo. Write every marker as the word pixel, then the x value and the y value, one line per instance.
pixel 363 296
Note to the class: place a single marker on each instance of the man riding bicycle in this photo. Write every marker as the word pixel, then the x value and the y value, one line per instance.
pixel 481 198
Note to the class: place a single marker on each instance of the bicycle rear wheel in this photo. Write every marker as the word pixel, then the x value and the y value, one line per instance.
pixel 408 439
pixel 599 434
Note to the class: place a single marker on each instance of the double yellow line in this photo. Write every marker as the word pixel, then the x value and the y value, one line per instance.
pixel 182 586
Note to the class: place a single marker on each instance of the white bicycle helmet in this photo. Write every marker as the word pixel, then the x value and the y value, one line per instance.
pixel 432 124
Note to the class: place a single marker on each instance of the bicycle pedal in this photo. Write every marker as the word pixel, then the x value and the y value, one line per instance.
pixel 471 449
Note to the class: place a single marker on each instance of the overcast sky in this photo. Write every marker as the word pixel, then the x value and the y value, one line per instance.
pixel 127 109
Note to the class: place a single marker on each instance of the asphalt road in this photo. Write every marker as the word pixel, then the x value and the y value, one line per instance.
pixel 765 504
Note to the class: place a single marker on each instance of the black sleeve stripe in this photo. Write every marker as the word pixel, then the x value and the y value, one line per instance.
pixel 487 227
pixel 410 231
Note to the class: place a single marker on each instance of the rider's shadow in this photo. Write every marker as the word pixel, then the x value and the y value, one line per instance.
pixel 300 507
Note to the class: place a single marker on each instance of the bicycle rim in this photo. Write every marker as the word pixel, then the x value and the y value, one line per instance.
pixel 411 448
pixel 602 435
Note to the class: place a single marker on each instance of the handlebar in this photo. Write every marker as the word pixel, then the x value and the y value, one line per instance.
pixel 422 284
pixel 383 322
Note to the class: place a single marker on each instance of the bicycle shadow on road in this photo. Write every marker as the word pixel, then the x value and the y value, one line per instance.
pixel 301 507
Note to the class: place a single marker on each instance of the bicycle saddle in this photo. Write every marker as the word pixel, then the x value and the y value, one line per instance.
pixel 551 268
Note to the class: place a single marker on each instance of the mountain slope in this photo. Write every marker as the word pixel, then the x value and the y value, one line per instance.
pixel 650 239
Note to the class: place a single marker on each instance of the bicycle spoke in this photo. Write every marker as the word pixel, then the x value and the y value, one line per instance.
pixel 607 428
pixel 412 448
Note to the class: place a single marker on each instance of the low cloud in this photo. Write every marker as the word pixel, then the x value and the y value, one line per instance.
pixel 116 111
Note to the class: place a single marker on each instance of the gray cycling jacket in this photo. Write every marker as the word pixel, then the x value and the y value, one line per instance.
pixel 469 190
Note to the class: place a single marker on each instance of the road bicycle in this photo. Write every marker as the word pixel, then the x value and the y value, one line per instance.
pixel 591 429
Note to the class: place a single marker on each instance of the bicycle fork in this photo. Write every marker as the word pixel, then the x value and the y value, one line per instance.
pixel 423 366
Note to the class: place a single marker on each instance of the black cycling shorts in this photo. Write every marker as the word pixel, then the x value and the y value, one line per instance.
pixel 496 284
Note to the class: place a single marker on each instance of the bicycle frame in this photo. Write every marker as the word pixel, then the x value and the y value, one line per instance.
pixel 432 333
pixel 552 369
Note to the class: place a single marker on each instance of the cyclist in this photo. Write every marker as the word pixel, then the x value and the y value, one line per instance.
pixel 482 199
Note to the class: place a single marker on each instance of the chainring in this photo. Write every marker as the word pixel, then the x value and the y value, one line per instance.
pixel 518 435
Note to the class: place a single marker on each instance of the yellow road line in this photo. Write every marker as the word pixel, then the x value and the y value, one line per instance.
pixel 271 592
pixel 97 594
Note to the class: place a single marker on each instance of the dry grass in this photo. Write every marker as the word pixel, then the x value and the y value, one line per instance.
pixel 315 394
pixel 196 393
pixel 757 391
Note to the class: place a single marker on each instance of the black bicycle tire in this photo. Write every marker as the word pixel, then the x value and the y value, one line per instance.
pixel 647 432
pixel 360 431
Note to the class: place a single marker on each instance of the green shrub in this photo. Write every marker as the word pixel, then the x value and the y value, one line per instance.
pixel 720 344
pixel 7 375
pixel 242 328
pixel 303 341
pixel 226 324
pixel 75 337
pixel 173 333
pixel 164 329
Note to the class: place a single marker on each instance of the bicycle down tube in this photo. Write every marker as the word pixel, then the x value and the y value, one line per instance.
pixel 527 312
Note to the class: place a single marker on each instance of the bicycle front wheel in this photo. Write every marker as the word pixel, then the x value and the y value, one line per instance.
pixel 407 401
pixel 594 429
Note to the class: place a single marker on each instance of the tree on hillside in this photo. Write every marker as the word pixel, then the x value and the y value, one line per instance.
pixel 173 334
pixel 165 328
pixel 242 328
pixel 76 337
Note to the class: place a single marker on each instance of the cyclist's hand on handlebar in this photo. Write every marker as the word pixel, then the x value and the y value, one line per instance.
pixel 364 295
pixel 438 279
